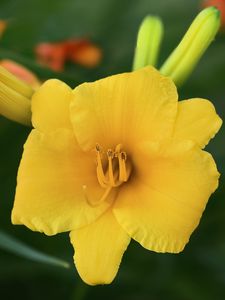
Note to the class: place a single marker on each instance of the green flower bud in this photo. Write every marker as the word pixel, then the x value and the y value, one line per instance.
pixel 15 98
pixel 197 39
pixel 148 42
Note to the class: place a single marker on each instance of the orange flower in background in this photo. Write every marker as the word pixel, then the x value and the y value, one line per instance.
pixel 3 25
pixel 51 55
pixel 80 51
pixel 220 4
pixel 21 72
pixel 83 52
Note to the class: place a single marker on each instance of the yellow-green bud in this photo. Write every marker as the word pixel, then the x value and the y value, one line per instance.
pixel 197 39
pixel 148 42
pixel 15 98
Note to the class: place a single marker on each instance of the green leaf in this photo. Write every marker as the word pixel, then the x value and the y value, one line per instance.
pixel 13 245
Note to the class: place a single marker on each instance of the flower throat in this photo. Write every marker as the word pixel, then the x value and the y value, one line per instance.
pixel 118 168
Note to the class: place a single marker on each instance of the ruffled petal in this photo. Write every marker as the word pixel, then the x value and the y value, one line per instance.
pixel 56 182
pixel 124 109
pixel 196 120
pixel 167 195
pixel 50 106
pixel 99 248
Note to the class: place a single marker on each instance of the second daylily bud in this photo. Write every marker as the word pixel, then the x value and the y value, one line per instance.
pixel 3 25
pixel 15 83
pixel 196 40
pixel 22 73
pixel 14 106
pixel 148 42
pixel 15 98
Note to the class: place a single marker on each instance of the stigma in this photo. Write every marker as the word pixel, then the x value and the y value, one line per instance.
pixel 113 167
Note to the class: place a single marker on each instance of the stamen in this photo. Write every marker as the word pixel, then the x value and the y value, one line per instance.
pixel 116 181
pixel 124 173
pixel 113 175
pixel 118 170
pixel 100 174
pixel 110 167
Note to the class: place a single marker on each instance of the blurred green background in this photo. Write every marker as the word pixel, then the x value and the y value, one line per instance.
pixel 197 273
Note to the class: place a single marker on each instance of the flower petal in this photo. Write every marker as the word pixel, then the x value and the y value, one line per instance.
pixel 124 109
pixel 99 248
pixel 50 194
pixel 50 106
pixel 164 203
pixel 196 120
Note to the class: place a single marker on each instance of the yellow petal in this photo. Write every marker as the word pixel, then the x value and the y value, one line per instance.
pixel 50 195
pixel 124 108
pixel 99 248
pixel 169 190
pixel 50 106
pixel 196 120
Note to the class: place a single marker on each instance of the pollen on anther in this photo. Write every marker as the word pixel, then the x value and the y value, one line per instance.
pixel 123 155
pixel 110 153
pixel 97 147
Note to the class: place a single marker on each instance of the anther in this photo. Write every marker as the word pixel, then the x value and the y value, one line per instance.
pixel 110 155
pixel 97 148
pixel 124 155
pixel 100 172
pixel 122 167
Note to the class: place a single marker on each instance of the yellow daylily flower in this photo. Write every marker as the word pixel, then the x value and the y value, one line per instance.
pixel 152 179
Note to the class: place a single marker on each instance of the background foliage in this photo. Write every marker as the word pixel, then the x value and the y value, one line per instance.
pixel 197 273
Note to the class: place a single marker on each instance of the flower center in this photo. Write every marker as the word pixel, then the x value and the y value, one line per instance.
pixel 111 172
pixel 118 168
